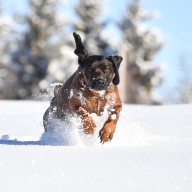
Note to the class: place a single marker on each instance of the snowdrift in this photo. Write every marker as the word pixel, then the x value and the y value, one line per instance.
pixel 151 151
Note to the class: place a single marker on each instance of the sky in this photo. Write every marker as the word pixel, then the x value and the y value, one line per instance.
pixel 174 22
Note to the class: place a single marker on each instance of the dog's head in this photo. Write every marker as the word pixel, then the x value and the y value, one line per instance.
pixel 99 71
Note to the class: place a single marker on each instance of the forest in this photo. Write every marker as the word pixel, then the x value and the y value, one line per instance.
pixel 37 50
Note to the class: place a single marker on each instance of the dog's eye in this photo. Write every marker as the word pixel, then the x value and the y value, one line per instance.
pixel 106 69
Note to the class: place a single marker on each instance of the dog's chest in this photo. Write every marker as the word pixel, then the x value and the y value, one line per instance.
pixel 93 104
pixel 97 105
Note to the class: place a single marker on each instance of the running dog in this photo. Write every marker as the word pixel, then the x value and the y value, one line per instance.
pixel 91 89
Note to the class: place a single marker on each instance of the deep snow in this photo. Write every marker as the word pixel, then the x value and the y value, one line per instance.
pixel 151 151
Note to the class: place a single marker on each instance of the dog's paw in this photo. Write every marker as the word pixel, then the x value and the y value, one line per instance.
pixel 106 133
pixel 88 125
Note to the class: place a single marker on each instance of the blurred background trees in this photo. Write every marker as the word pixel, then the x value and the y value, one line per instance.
pixel 184 88
pixel 142 42
pixel 8 75
pixel 39 56
pixel 41 51
pixel 91 26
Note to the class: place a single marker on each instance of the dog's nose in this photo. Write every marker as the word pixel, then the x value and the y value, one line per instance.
pixel 100 82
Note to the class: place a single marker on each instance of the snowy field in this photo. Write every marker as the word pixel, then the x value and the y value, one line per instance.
pixel 151 152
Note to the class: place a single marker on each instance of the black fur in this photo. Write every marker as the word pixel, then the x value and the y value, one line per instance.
pixel 116 60
pixel 85 61
pixel 80 50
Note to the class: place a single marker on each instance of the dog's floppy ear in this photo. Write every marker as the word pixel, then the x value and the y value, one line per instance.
pixel 80 50
pixel 116 60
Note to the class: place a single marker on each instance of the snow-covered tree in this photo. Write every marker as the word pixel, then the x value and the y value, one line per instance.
pixel 143 43
pixel 183 91
pixel 8 77
pixel 91 27
pixel 40 53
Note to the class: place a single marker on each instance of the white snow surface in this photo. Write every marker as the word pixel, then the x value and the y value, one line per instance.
pixel 151 151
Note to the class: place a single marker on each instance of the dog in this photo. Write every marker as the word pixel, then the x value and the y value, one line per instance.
pixel 91 89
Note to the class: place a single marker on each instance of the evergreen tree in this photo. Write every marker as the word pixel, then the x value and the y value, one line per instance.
pixel 142 43
pixel 39 53
pixel 8 77
pixel 90 26
pixel 183 91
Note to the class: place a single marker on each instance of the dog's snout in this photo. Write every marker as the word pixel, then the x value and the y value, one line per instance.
pixel 100 82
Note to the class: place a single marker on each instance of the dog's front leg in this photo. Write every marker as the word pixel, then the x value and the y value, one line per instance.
pixel 87 121
pixel 106 133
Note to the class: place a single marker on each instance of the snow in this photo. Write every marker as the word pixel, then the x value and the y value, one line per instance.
pixel 151 151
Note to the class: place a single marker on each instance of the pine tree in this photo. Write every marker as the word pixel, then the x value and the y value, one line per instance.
pixel 8 77
pixel 90 26
pixel 183 90
pixel 39 54
pixel 142 44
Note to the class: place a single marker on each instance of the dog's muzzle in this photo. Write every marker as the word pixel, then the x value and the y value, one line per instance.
pixel 99 84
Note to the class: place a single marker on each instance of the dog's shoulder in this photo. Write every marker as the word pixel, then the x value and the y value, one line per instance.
pixel 112 94
pixel 113 89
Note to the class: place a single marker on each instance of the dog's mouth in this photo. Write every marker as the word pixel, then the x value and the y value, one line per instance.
pixel 99 88
pixel 99 85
